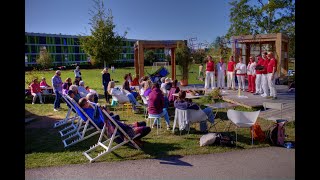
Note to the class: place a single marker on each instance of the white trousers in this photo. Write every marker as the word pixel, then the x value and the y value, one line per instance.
pixel 35 95
pixel 258 83
pixel 210 78
pixel 264 85
pixel 271 84
pixel 230 80
pixel 241 83
pixel 220 79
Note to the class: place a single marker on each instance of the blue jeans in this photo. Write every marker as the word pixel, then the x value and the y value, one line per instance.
pixel 158 116
pixel 132 99
pixel 209 113
pixel 57 100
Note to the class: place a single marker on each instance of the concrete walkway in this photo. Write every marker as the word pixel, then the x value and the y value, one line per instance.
pixel 259 163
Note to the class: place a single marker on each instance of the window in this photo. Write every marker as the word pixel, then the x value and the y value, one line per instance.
pixel 31 40
pixel 76 41
pixel 33 49
pixel 58 58
pixel 58 49
pixel 42 40
pixel 26 48
pixel 77 57
pixel 57 40
pixel 64 41
pixel 76 49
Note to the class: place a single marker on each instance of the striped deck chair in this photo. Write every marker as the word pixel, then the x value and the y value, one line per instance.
pixel 70 123
pixel 68 119
pixel 117 132
pixel 89 129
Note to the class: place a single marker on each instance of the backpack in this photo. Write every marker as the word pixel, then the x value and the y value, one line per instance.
pixel 258 134
pixel 224 139
pixel 276 133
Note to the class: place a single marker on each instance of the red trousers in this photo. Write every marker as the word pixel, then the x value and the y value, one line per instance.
pixel 251 83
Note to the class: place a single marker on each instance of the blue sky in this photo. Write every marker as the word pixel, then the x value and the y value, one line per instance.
pixel 143 19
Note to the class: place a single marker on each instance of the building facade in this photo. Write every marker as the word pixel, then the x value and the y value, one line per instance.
pixel 66 50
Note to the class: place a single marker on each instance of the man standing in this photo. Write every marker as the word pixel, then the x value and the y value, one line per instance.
pixel 230 74
pixel 77 73
pixel 259 76
pixel 210 77
pixel 221 72
pixel 57 89
pixel 264 78
pixel 272 69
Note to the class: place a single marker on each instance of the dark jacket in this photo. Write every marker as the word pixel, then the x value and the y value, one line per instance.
pixel 156 101
pixel 184 105
pixel 105 79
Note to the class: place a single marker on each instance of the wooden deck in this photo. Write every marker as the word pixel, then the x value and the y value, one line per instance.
pixel 256 101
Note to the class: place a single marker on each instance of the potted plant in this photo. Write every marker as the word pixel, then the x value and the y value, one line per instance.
pixel 215 95
pixel 184 60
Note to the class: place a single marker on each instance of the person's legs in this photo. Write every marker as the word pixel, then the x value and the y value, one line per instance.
pixel 222 81
pixel 166 116
pixel 206 82
pixel 213 80
pixel 239 82
pixel 228 79
pixel 271 85
pixel 143 130
pixel 57 100
pixel 233 82
pixel 249 83
pixel 258 84
pixel 264 85
pixel 253 84
pixel 243 82
pixel 34 98
pixel 208 111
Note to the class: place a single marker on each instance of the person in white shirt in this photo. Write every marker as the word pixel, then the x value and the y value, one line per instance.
pixel 221 73
pixel 82 89
pixel 77 72
pixel 241 73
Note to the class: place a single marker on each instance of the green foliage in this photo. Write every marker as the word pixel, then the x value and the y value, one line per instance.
pixel 198 55
pixel 104 44
pixel 150 56
pixel 168 58
pixel 34 74
pixel 44 59
pixel 183 59
pixel 273 16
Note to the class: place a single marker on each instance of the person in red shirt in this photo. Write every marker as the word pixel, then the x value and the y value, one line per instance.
pixel 264 78
pixel 259 76
pixel 230 73
pixel 210 76
pixel 35 91
pixel 271 70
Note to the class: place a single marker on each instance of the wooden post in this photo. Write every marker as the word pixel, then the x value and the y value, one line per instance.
pixel 136 65
pixel 173 64
pixel 141 59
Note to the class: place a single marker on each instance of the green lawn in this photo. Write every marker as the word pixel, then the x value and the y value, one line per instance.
pixel 43 145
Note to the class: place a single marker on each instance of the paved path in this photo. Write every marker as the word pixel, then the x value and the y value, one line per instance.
pixel 258 163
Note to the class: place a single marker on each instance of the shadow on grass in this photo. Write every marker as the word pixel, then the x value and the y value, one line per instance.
pixel 160 151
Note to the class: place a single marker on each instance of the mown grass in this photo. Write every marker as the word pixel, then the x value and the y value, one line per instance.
pixel 43 145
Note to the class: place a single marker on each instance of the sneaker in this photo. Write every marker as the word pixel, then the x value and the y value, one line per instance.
pixel 55 110
pixel 168 127
pixel 32 102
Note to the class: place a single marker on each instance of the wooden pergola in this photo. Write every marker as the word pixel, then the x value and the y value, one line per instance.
pixel 278 44
pixel 139 47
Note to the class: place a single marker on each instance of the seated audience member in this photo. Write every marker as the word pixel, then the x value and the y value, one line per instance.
pixel 43 84
pixel 74 89
pixel 82 90
pixel 163 84
pixel 66 85
pixel 95 94
pixel 122 95
pixel 35 91
pixel 156 104
pixel 131 130
pixel 147 88
pixel 126 86
pixel 142 83
pixel 174 89
pixel 168 82
pixel 184 104
pixel 76 80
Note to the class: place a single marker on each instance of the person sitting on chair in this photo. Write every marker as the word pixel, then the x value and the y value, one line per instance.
pixel 174 89
pixel 184 104
pixel 156 105
pixel 126 86
pixel 131 129
pixel 74 89
pixel 35 91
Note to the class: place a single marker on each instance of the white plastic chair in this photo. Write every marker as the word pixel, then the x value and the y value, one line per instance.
pixel 243 119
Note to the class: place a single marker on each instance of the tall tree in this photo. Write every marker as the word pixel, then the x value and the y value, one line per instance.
pixel 44 59
pixel 150 56
pixel 262 16
pixel 104 44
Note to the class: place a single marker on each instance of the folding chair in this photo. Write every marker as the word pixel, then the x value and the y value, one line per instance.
pixel 243 119
pixel 117 131
pixel 83 132
pixel 72 122
pixel 68 117
pixel 119 103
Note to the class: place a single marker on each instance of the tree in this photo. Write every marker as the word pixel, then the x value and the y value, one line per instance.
pixel 150 56
pixel 44 59
pixel 272 16
pixel 198 55
pixel 103 44
pixel 183 59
